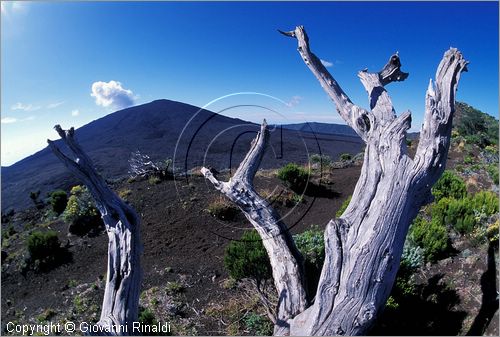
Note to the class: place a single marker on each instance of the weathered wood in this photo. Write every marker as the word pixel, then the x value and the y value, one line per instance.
pixel 286 260
pixel 123 280
pixel 363 247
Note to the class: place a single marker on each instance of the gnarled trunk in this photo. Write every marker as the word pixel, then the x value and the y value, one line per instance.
pixel 286 261
pixel 363 247
pixel 123 280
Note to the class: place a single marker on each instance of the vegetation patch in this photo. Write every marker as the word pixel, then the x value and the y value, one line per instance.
pixel 294 176
pixel 81 214
pixel 449 185
pixel 222 209
pixel 58 201
pixel 432 236
pixel 45 250
pixel 247 258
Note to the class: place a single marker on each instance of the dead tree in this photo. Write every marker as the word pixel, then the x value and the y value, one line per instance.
pixel 286 261
pixel 121 295
pixel 363 247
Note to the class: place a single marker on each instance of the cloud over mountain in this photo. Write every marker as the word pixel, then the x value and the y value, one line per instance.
pixel 112 94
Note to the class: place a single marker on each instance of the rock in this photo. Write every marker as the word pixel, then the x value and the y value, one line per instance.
pixel 466 253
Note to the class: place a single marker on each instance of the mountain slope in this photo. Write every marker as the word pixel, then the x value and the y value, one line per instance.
pixel 326 128
pixel 156 129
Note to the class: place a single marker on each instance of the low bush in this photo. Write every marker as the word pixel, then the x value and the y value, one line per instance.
pixel 459 215
pixel 412 257
pixel 294 176
pixel 58 201
pixel 247 258
pixel 431 236
pixel 493 172
pixel 146 317
pixel 466 213
pixel 174 288
pixel 449 186
pixel 345 157
pixel 154 180
pixel 44 249
pixel 492 232
pixel 485 202
pixel 258 324
pixel 81 213
pixel 320 159
pixel 222 209
pixel 34 196
pixel 311 244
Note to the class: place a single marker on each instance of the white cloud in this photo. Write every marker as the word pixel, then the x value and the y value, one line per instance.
pixel 24 107
pixel 55 105
pixel 75 113
pixel 8 120
pixel 112 94
pixel 294 101
pixel 327 64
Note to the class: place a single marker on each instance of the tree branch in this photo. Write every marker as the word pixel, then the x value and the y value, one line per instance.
pixel 380 102
pixel 121 295
pixel 435 134
pixel 286 260
pixel 355 116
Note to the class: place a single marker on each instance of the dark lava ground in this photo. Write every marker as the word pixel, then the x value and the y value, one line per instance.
pixel 184 244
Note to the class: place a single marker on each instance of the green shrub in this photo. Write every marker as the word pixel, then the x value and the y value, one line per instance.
pixel 466 213
pixel 58 200
pixel 174 288
pixel 8 232
pixel 459 215
pixel 258 324
pixel 222 209
pixel 343 207
pixel 391 303
pixel 81 213
pixel 468 159
pixel 345 157
pixel 485 202
pixel 247 258
pixel 294 176
pixel 322 159
pixel 449 186
pixel 34 195
pixel 492 232
pixel 311 244
pixel 154 180
pixel 44 247
pixel 146 317
pixel 431 236
pixel 493 172
pixel 412 257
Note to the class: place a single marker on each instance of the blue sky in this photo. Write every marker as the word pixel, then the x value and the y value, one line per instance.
pixel 71 63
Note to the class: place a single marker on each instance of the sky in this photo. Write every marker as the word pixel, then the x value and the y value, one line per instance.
pixel 70 63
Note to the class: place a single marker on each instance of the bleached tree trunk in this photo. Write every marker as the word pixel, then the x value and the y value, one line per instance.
pixel 123 280
pixel 363 247
pixel 286 261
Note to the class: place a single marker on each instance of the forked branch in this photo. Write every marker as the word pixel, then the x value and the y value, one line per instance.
pixel 121 295
pixel 286 260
